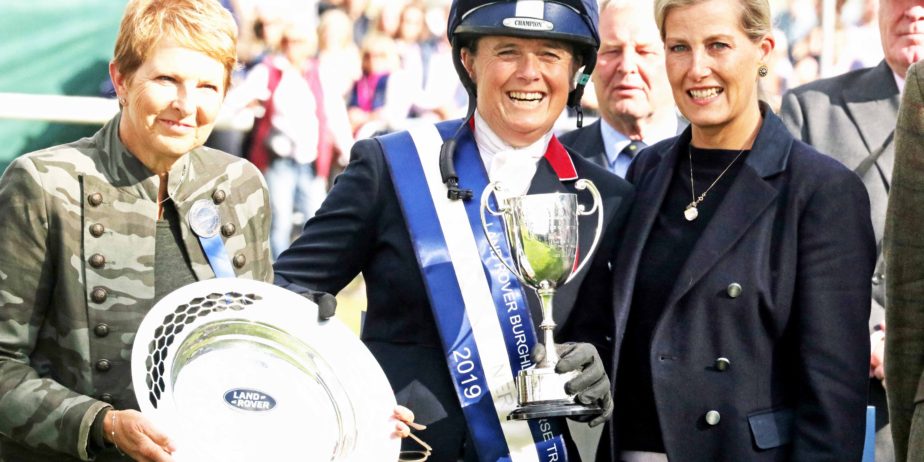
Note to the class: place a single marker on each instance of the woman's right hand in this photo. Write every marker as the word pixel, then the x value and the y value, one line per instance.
pixel 136 436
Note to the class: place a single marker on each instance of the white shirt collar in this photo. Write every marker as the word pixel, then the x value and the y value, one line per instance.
pixel 900 81
pixel 614 142
pixel 514 167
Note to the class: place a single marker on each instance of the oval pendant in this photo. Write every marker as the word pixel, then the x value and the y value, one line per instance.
pixel 691 213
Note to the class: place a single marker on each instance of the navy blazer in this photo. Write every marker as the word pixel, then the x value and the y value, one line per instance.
pixel 360 229
pixel 794 232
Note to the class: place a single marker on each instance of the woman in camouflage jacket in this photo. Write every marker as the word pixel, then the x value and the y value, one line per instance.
pixel 95 231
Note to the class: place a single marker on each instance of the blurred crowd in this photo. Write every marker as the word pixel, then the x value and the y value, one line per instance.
pixel 351 69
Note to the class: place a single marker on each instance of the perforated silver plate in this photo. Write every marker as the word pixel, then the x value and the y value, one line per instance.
pixel 240 370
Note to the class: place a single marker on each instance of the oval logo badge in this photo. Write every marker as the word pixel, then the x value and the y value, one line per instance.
pixel 528 23
pixel 249 400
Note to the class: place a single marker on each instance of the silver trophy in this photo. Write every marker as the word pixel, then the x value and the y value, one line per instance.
pixel 542 230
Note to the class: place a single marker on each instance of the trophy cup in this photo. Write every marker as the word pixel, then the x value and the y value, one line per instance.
pixel 542 230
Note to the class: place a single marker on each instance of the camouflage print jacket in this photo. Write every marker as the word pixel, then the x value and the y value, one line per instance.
pixel 77 277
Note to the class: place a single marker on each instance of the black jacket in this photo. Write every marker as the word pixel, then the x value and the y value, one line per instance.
pixel 794 232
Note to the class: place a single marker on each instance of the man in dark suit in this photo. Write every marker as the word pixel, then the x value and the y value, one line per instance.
pixel 851 117
pixel 631 86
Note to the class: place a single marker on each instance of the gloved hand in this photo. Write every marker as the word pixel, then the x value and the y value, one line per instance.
pixel 327 303
pixel 591 384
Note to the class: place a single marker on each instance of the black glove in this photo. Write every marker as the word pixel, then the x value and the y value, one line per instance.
pixel 327 303
pixel 591 386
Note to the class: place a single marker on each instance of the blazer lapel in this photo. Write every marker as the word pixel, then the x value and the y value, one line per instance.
pixel 748 198
pixel 645 209
pixel 594 149
pixel 877 94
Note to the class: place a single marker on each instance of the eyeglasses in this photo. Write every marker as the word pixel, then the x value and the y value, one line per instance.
pixel 416 455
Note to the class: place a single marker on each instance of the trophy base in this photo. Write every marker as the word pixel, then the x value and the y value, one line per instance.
pixel 545 410
pixel 542 394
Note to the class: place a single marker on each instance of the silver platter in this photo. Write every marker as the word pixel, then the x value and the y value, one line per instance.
pixel 241 370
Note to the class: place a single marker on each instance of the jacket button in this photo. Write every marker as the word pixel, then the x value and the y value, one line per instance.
pixel 239 260
pixel 218 196
pixel 228 229
pixel 95 199
pixel 106 398
pixel 96 229
pixel 103 365
pixel 101 329
pixel 99 294
pixel 722 364
pixel 97 260
pixel 733 290
pixel 878 278
pixel 713 417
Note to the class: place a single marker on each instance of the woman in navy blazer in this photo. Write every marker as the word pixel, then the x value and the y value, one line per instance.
pixel 741 287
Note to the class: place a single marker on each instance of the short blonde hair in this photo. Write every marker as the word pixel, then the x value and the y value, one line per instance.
pixel 755 15
pixel 201 25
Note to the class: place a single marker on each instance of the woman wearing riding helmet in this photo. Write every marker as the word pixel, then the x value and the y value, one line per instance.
pixel 449 325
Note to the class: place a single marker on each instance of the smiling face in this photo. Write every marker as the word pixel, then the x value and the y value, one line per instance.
pixel 630 80
pixel 170 103
pixel 901 28
pixel 522 84
pixel 712 67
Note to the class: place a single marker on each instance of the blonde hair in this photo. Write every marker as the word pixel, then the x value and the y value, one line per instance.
pixel 201 25
pixel 755 15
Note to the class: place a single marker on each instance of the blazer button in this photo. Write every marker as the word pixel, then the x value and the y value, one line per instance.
pixel 95 199
pixel 101 329
pixel 239 260
pixel 99 294
pixel 106 398
pixel 218 196
pixel 733 290
pixel 713 418
pixel 97 230
pixel 722 364
pixel 103 365
pixel 97 260
pixel 228 229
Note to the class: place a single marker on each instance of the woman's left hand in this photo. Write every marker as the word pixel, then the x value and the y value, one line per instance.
pixel 405 422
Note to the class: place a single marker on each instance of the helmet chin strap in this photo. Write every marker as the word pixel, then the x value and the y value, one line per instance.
pixel 574 100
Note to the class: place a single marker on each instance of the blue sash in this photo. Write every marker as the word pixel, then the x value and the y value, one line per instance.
pixel 480 308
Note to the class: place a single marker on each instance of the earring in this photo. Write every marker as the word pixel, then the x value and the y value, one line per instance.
pixel 763 70
pixel 121 101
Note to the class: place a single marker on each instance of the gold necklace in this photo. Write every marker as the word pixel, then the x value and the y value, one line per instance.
pixel 691 212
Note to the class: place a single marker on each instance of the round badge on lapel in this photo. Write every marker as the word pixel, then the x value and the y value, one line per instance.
pixel 204 218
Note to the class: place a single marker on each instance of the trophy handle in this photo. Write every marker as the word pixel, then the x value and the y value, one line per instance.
pixel 485 205
pixel 581 185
